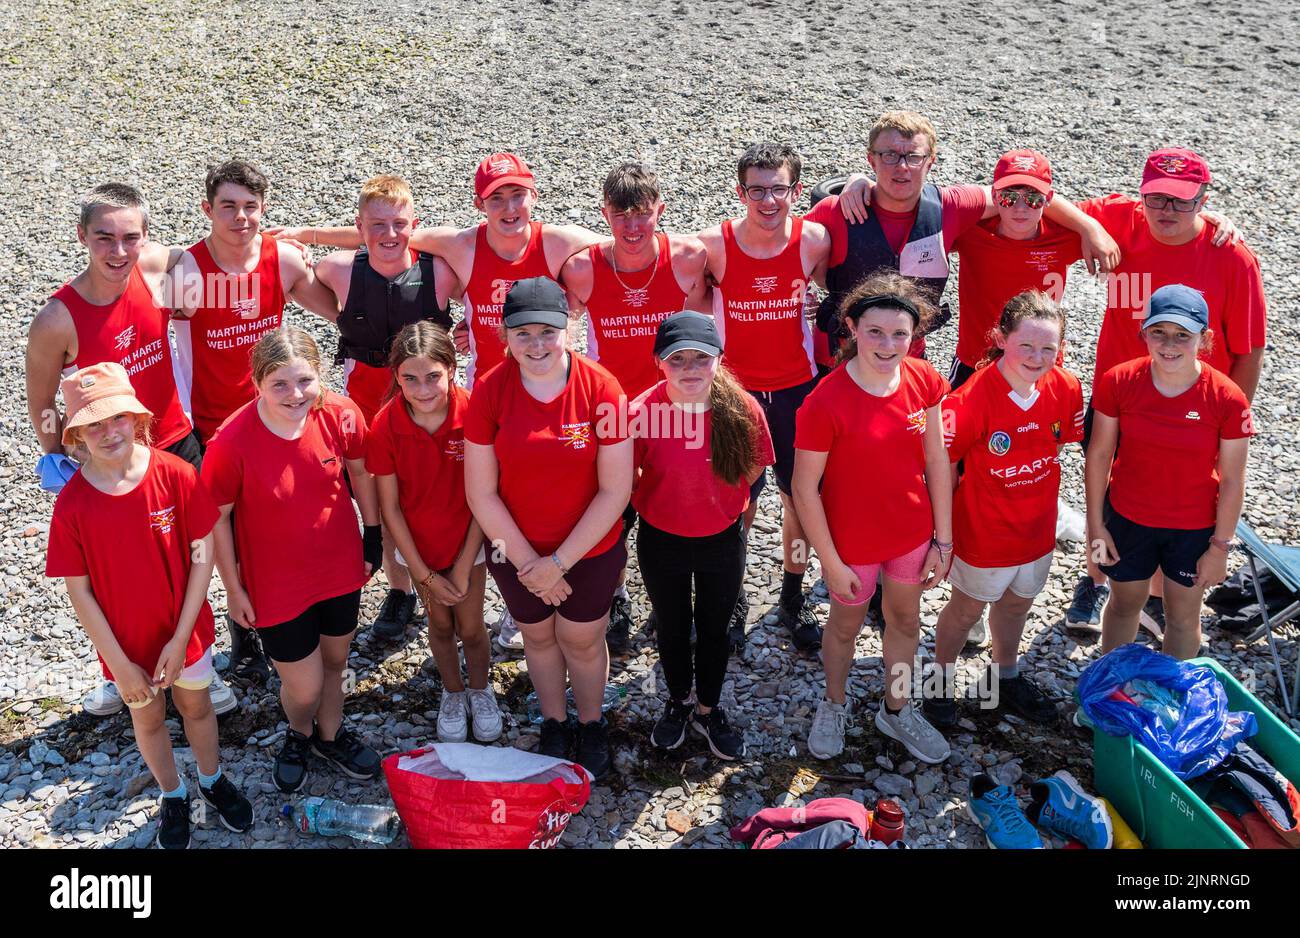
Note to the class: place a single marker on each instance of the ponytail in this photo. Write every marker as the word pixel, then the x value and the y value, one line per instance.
pixel 732 447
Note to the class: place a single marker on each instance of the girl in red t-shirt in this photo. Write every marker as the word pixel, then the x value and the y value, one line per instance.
pixel 416 451
pixel 701 441
pixel 548 472
pixel 1007 426
pixel 1170 497
pixel 131 535
pixel 294 563
pixel 873 488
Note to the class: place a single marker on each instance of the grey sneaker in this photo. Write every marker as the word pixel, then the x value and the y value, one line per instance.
pixel 453 717
pixel 223 698
pixel 485 714
pixel 509 638
pixel 103 701
pixel 911 729
pixel 826 735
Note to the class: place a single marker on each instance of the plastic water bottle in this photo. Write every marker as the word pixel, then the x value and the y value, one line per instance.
pixel 329 818
pixel 614 696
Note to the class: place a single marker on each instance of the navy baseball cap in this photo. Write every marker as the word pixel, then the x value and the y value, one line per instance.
pixel 1180 305
pixel 687 330
pixel 535 300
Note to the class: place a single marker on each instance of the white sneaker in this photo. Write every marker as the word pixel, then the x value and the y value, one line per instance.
pixel 103 701
pixel 911 729
pixel 453 725
pixel 486 714
pixel 509 638
pixel 223 698
pixel 826 735
pixel 978 636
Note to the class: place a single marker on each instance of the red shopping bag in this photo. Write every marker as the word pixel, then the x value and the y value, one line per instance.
pixel 442 812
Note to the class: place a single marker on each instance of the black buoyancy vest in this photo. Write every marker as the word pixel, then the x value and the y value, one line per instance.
pixel 378 308
pixel 924 260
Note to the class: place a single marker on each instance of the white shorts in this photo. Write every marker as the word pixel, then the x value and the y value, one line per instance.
pixel 194 676
pixel 988 584
pixel 481 558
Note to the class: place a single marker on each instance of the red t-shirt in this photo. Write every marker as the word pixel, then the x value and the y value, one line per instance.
pixel 366 386
pixel 624 312
pixel 678 491
pixel 132 331
pixel 873 489
pixel 490 279
pixel 1004 509
pixel 296 531
pixel 1165 473
pixel 135 548
pixel 758 308
pixel 994 269
pixel 213 347
pixel 430 470
pixel 1227 276
pixel 546 453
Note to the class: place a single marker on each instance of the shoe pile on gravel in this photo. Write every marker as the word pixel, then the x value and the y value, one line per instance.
pixel 151 95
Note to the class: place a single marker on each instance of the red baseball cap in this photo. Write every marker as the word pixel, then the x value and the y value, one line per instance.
pixel 1023 168
pixel 1175 171
pixel 501 169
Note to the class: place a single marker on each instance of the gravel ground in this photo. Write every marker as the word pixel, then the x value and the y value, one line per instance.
pixel 152 92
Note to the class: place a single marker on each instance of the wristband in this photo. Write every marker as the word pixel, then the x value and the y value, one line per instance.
pixel 372 545
pixel 1225 546
pixel 559 563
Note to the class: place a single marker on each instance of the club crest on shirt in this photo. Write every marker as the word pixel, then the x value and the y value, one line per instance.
pixel 125 338
pixel 916 421
pixel 577 435
pixel 455 449
pixel 636 298
pixel 244 309
pixel 764 284
pixel 1000 443
pixel 163 520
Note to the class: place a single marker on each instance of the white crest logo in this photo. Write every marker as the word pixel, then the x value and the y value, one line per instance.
pixel 764 284
pixel 125 338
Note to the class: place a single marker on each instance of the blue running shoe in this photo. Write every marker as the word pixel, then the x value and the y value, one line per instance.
pixel 1060 806
pixel 993 807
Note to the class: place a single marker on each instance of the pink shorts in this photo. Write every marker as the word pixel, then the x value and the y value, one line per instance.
pixel 906 568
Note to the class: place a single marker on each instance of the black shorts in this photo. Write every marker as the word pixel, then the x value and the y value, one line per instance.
pixel 188 448
pixel 593 580
pixel 300 636
pixel 959 373
pixel 1142 549
pixel 780 407
pixel 629 522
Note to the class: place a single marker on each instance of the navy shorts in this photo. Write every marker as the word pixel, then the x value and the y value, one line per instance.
pixel 593 580
pixel 300 636
pixel 1142 549
pixel 780 407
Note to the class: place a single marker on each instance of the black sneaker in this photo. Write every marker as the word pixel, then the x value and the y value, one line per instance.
pixel 802 625
pixel 651 624
pixel 348 753
pixel 397 611
pixel 620 624
pixel 1026 698
pixel 941 712
pixel 593 748
pixel 671 728
pixel 232 807
pixel 1152 617
pixel 1085 610
pixel 736 629
pixel 173 824
pixel 557 739
pixel 724 742
pixel 291 762
pixel 247 660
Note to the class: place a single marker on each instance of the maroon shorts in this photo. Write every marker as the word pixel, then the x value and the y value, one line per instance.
pixel 593 579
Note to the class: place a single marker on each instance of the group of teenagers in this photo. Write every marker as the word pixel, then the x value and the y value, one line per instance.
pixel 198 432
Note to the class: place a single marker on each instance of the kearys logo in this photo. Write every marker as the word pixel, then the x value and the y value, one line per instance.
pixel 577 435
pixel 125 338
pixel 103 891
pixel 163 519
pixel 1193 415
pixel 916 421
pixel 764 284
pixel 1000 443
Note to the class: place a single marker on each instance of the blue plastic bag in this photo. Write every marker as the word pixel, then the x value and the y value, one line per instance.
pixel 1205 734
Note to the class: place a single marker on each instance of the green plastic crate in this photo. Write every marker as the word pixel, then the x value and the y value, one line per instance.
pixel 1160 808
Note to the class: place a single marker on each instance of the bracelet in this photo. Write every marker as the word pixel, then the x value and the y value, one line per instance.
pixel 559 563
pixel 941 547
pixel 1225 546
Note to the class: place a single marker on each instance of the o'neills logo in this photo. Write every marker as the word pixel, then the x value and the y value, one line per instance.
pixel 550 826
pixel 764 284
pixel 104 891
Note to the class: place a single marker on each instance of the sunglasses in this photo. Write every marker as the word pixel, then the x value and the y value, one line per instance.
pixel 1008 198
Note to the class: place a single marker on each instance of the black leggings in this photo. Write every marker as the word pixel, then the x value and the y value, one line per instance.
pixel 668 564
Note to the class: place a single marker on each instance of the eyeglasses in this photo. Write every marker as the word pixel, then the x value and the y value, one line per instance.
pixel 893 158
pixel 1159 202
pixel 1007 198
pixel 759 193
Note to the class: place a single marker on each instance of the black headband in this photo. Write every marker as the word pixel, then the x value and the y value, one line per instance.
pixel 886 299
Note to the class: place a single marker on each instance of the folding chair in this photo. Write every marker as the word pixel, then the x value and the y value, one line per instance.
pixel 1285 563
